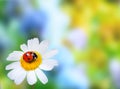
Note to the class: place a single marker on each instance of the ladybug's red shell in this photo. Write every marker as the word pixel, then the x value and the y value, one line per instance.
pixel 29 56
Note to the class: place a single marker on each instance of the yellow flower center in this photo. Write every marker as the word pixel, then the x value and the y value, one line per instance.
pixel 31 60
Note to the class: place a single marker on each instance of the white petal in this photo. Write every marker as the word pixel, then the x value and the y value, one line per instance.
pixel 14 56
pixel 50 54
pixel 33 44
pixel 24 47
pixel 42 77
pixel 17 75
pixel 48 64
pixel 31 77
pixel 12 74
pixel 12 65
pixel 20 76
pixel 43 46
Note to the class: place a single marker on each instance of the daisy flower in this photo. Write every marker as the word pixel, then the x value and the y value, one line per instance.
pixel 30 62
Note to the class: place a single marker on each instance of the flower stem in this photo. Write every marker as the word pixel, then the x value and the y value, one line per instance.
pixel 32 86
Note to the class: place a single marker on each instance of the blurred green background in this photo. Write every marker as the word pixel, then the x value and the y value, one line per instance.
pixel 86 33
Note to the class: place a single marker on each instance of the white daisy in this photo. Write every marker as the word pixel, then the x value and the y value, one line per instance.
pixel 30 62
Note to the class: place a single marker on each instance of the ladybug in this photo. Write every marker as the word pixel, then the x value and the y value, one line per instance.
pixel 29 57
